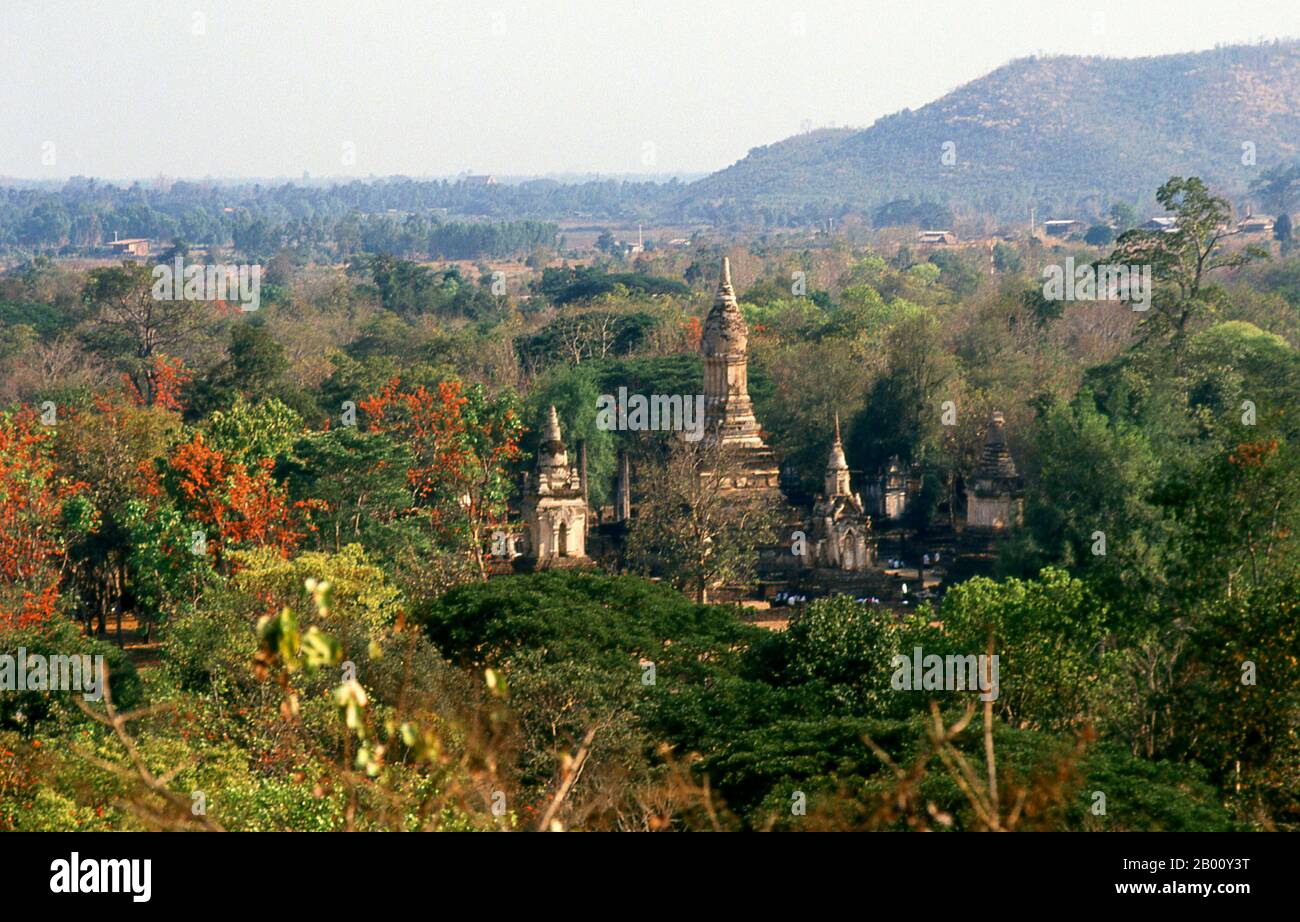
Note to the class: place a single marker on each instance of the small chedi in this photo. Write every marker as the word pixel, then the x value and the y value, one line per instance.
pixel 840 525
pixel 555 504
pixel 994 496
pixel 894 490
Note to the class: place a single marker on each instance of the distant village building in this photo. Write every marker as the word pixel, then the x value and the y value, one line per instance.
pixel 1165 225
pixel 480 180
pixel 633 249
pixel 555 503
pixel 841 526
pixel 993 498
pixel 1255 225
pixel 936 237
pixel 728 413
pixel 130 246
pixel 1062 227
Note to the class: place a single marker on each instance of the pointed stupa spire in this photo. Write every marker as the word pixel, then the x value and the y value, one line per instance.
pixel 726 294
pixel 552 453
pixel 837 460
pixel 724 328
pixel 837 467
pixel 552 431
pixel 996 461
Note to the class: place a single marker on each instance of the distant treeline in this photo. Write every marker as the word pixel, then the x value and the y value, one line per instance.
pixel 435 219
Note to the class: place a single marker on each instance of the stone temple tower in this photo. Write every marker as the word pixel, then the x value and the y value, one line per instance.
pixel 993 499
pixel 841 525
pixel 553 503
pixel 728 414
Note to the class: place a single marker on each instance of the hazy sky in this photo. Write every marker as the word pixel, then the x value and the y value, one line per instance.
pixel 196 88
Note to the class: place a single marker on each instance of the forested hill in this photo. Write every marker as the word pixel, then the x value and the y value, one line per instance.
pixel 1050 132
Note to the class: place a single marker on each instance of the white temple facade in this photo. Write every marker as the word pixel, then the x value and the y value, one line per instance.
pixel 841 526
pixel 554 506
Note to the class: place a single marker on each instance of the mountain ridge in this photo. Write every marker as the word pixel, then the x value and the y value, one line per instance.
pixel 1060 132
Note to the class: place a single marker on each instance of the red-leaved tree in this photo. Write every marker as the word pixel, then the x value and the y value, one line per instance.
pixel 32 498
pixel 238 505
pixel 462 441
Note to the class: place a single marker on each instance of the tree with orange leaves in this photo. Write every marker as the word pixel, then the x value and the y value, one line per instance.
pixel 694 332
pixel 239 505
pixel 166 377
pixel 462 441
pixel 32 513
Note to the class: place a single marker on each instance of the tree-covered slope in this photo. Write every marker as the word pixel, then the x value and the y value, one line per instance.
pixel 1052 132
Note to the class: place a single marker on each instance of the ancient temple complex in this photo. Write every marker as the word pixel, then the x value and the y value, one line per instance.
pixel 829 544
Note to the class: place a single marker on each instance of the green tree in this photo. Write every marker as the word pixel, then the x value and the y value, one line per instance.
pixel 135 328
pixel 1047 633
pixel 354 487
pixel 1099 235
pixel 903 411
pixel 253 366
pixel 1007 258
pixel 1185 258
pixel 1123 216
pixel 249 433
pixel 574 392
pixel 47 225
pixel 1092 507
pixel 1282 232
